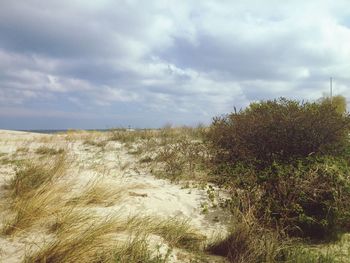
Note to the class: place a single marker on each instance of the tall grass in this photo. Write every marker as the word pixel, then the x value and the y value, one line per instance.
pixel 80 239
pixel 247 241
pixel 33 195
pixel 38 205
pixel 92 243
pixel 98 193
pixel 178 233
pixel 31 175
pixel 137 249
pixel 37 197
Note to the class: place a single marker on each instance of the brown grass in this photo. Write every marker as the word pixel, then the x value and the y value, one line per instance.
pixel 44 150
pixel 247 241
pixel 93 243
pixel 35 206
pixel 32 194
pixel 99 193
pixel 39 200
pixel 177 232
pixel 31 175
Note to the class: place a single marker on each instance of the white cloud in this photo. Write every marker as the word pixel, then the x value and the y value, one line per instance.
pixel 191 58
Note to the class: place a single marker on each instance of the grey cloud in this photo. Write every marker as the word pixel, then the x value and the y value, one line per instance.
pixel 157 61
pixel 275 59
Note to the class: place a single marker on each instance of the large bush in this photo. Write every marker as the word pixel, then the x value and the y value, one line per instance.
pixel 288 158
pixel 279 130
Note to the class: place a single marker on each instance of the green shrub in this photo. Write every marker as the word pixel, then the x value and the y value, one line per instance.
pixel 278 130
pixel 288 160
pixel 309 199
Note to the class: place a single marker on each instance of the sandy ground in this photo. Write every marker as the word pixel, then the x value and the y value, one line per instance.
pixel 114 166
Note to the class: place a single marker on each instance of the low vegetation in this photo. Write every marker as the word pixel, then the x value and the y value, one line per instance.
pixel 177 232
pixel 284 165
pixel 285 162
pixel 249 242
pixel 100 144
pixel 98 193
pixel 39 195
pixel 279 131
pixel 93 243
pixel 31 175
pixel 32 194
pixel 43 150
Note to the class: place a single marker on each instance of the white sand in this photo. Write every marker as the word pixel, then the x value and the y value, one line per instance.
pixel 115 167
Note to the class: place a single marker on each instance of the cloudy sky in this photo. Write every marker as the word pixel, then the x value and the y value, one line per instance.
pixel 103 64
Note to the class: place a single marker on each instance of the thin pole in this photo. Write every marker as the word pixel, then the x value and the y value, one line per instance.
pixel 331 89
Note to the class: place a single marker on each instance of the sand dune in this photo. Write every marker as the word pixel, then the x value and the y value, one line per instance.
pixel 113 167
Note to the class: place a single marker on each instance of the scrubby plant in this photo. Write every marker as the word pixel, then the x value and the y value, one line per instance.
pixel 309 199
pixel 279 130
pixel 182 156
pixel 290 159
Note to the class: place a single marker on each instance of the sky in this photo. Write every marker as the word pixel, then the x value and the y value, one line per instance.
pixel 98 64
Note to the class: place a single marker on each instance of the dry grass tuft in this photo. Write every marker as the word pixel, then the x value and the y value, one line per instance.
pixel 92 243
pixel 95 143
pixel 39 200
pixel 22 150
pixel 31 176
pixel 137 249
pixel 178 233
pixel 43 150
pixel 33 196
pixel 99 193
pixel 69 217
pixel 126 136
pixel 100 241
pixel 34 206
pixel 248 242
